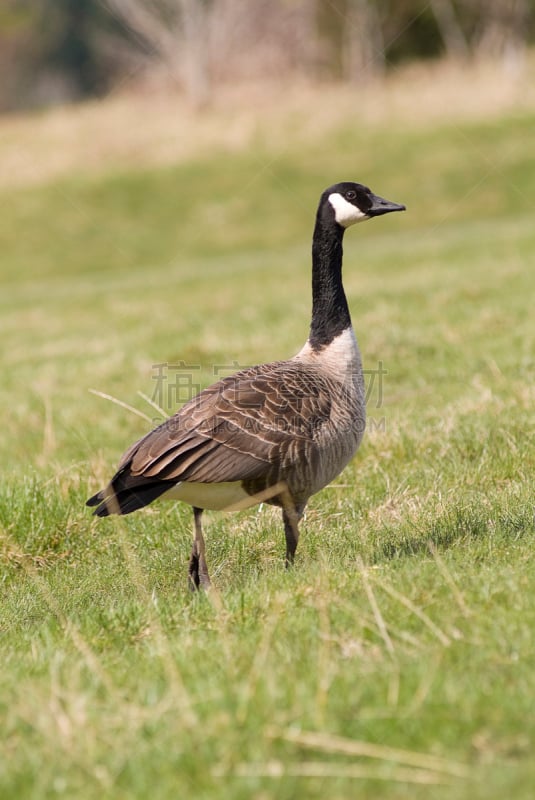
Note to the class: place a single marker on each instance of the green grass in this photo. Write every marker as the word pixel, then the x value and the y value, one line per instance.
pixel 408 620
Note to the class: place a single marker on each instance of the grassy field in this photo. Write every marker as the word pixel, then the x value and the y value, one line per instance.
pixel 397 660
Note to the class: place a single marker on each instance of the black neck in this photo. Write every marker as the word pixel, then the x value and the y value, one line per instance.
pixel 330 312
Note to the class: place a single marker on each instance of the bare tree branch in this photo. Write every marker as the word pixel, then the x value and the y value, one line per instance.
pixel 364 45
pixel 176 31
pixel 450 29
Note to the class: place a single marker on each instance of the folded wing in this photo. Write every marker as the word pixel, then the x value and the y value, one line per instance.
pixel 251 426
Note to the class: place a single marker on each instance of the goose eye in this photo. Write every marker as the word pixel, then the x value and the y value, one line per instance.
pixel 351 195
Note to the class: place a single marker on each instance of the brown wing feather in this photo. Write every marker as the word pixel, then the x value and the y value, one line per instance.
pixel 242 428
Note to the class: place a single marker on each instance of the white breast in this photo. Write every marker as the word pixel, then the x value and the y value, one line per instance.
pixel 339 360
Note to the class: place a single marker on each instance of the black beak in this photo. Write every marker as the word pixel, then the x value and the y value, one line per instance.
pixel 381 206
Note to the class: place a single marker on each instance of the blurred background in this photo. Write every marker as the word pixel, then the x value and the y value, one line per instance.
pixel 59 51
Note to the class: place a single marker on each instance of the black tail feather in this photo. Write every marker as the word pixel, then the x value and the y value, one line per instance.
pixel 127 500
pixel 96 499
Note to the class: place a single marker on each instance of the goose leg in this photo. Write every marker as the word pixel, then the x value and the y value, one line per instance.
pixel 291 514
pixel 198 570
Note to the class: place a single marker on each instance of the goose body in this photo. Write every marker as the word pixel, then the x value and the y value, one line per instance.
pixel 278 432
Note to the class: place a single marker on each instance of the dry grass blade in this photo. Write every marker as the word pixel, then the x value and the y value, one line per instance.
pixel 441 636
pixel 151 402
pixel 330 743
pixel 369 622
pixel 328 769
pixel 122 404
pixel 375 609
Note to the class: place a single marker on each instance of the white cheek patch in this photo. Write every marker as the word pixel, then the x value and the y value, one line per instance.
pixel 345 213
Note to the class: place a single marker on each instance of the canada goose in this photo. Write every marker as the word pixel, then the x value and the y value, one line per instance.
pixel 278 432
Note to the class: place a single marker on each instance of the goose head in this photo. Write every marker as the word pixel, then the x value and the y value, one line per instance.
pixel 349 203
